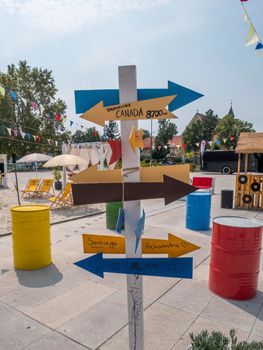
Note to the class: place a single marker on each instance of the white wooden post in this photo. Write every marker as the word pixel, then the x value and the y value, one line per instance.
pixel 132 209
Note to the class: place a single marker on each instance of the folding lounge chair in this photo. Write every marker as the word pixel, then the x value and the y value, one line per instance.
pixel 45 188
pixel 31 188
pixel 63 199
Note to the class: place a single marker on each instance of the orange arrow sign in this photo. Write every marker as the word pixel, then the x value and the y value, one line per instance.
pixel 136 139
pixel 174 246
pixel 147 109
pixel 147 174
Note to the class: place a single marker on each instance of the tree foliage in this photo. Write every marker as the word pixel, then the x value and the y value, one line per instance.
pixel 229 129
pixel 32 86
pixel 166 131
pixel 91 135
pixel 200 130
pixel 111 131
pixel 146 133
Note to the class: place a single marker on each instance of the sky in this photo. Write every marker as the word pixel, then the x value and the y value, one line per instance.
pixel 199 44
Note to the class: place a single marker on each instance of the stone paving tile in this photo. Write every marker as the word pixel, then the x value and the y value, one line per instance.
pixel 62 308
pixel 163 326
pixel 238 314
pixel 7 313
pixel 36 287
pixel 190 295
pixel 19 332
pixel 54 341
pixel 201 324
pixel 100 322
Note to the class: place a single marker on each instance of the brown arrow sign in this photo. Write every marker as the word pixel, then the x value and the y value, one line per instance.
pixel 170 189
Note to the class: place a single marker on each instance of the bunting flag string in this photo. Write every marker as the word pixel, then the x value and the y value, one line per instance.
pixel 23 141
pixel 252 36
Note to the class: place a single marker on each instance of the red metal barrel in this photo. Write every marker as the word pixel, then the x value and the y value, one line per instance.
pixel 235 257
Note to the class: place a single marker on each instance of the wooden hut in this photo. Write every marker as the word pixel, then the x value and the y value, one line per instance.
pixel 249 186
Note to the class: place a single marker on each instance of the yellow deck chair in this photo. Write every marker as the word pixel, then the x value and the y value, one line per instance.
pixel 31 188
pixel 45 188
pixel 63 199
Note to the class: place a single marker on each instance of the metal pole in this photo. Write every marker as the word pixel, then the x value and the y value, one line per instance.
pixel 132 209
pixel 64 178
pixel 151 143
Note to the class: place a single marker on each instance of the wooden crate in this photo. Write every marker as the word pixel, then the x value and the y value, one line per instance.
pixel 247 189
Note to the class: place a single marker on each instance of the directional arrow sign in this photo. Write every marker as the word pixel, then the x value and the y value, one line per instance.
pixel 147 174
pixel 164 267
pixel 170 189
pixel 86 99
pixel 174 246
pixel 138 110
pixel 136 139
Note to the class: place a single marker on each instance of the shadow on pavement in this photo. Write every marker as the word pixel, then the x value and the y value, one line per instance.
pixel 45 277
pixel 251 306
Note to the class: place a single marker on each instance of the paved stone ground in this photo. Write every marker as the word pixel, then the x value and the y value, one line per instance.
pixel 64 307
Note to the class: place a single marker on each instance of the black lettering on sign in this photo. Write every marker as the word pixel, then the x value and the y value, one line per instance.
pixel 154 114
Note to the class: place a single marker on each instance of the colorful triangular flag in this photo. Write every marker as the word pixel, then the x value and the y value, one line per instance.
pixel 259 46
pixel 71 123
pixel 9 131
pixel 41 109
pixel 139 229
pixel 13 95
pixel 253 40
pixel 120 221
pixel 2 90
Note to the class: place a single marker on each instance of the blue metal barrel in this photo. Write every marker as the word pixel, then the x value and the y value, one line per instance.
pixel 198 207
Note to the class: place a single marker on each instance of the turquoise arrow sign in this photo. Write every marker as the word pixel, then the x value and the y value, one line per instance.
pixel 85 99
pixel 163 267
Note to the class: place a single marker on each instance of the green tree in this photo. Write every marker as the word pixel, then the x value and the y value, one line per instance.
pixel 111 130
pixel 33 87
pixel 160 153
pixel 200 130
pixel 91 135
pixel 166 131
pixel 146 133
pixel 229 129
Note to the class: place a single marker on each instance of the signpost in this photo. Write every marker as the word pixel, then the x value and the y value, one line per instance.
pixel 129 185
pixel 170 189
pixel 173 246
pixel 86 99
pixel 162 267
pixel 148 174
pixel 148 109
pixel 136 139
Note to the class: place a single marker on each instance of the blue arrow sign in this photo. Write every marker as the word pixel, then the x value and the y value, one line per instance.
pixel 85 99
pixel 164 267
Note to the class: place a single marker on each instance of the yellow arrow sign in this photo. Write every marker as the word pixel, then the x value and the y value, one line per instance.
pixel 174 246
pixel 146 109
pixel 147 174
pixel 136 139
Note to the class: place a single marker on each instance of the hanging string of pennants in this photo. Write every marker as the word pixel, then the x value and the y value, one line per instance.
pixel 25 136
pixel 252 36
pixel 54 143
pixel 34 106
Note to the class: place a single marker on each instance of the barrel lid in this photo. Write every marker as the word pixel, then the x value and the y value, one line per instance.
pixel 30 208
pixel 237 221
pixel 199 194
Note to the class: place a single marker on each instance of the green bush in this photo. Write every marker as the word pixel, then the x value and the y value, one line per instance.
pixel 218 341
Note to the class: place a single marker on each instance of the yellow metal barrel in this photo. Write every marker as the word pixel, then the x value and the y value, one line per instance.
pixel 31 236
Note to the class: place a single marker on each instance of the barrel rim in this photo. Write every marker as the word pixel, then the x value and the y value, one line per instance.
pixel 19 208
pixel 200 193
pixel 260 223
